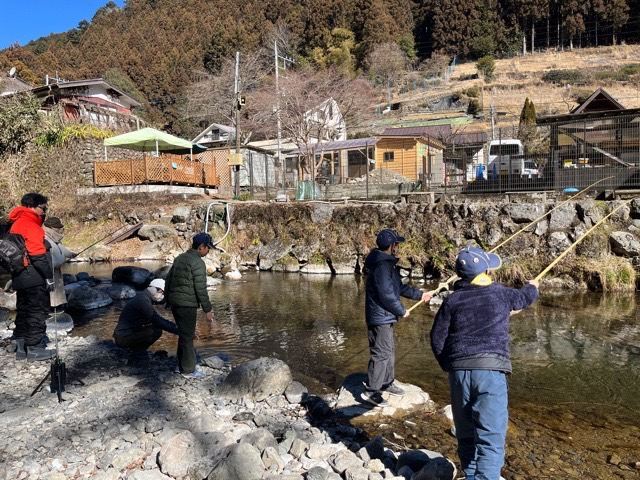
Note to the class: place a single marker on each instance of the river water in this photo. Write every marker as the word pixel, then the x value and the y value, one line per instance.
pixel 574 356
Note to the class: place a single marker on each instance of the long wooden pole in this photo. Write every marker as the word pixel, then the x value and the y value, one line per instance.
pixel 584 235
pixel 445 285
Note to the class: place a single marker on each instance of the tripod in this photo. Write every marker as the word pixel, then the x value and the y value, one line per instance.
pixel 58 371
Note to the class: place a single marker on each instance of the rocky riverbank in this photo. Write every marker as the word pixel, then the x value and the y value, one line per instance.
pixel 146 422
pixel 324 238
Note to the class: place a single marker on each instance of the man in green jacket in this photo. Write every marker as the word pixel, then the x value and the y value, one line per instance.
pixel 186 290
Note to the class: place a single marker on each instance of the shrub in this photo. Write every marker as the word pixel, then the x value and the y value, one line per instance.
pixel 486 67
pixel 474 107
pixel 562 77
pixel 473 92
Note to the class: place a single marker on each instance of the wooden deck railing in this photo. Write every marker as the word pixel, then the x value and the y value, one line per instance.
pixel 166 169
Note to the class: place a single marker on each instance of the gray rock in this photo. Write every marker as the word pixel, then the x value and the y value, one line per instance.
pixel 558 241
pixel 321 213
pixel 257 379
pixel 298 448
pixel 83 277
pixel 356 473
pixel 272 252
pixel 344 460
pixel 304 251
pixel 154 424
pixel 317 473
pixel 375 465
pixel 635 209
pixel 214 362
pixel 295 392
pixel 147 475
pixel 136 277
pixel 179 454
pixel 127 457
pixel 524 212
pixel 8 300
pixel 624 244
pixel 261 439
pixel 563 218
pixel 87 298
pixel 155 232
pixel 375 447
pixel 436 469
pixel 68 278
pixel 119 291
pixel 243 463
pixel 181 214
pixel 272 460
pixel 590 212
pixel 316 268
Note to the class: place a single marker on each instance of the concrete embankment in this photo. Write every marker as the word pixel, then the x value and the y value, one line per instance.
pixel 335 238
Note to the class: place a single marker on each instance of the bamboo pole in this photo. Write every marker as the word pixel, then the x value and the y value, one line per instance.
pixel 453 278
pixel 574 244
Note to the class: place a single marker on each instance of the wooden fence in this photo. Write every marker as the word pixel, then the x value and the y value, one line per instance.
pixel 205 170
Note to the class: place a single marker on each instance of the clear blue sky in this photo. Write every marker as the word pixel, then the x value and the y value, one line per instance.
pixel 26 20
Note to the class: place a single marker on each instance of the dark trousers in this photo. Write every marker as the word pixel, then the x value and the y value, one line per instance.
pixel 141 341
pixel 32 306
pixel 382 360
pixel 185 318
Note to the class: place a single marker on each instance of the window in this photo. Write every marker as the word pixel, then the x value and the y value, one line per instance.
pixel 388 156
pixel 505 149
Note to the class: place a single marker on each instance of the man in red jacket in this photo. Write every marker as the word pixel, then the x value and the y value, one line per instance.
pixel 34 283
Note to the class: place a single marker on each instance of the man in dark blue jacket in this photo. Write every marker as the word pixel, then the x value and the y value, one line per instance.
pixel 383 307
pixel 470 340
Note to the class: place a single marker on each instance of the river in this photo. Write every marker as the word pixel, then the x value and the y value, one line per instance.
pixel 576 358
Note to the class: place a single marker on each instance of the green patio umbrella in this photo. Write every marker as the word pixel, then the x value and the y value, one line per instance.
pixel 151 140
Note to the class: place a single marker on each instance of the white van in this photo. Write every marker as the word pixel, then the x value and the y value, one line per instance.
pixel 506 157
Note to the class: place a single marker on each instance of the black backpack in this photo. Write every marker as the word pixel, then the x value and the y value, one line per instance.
pixel 12 253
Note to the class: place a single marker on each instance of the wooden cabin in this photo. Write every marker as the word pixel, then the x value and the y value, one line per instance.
pixel 415 158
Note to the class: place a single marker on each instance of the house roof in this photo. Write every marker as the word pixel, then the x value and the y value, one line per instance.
pixel 271 145
pixel 341 145
pixel 219 126
pixel 436 131
pixel 434 142
pixel 10 85
pixel 598 101
pixel 45 89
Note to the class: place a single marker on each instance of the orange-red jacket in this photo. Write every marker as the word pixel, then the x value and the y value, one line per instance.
pixel 28 223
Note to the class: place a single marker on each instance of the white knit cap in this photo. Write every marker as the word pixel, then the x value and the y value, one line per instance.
pixel 157 283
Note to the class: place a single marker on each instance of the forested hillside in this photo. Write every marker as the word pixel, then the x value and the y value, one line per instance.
pixel 155 48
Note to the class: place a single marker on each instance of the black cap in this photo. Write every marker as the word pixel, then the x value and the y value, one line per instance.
pixel 388 237
pixel 202 239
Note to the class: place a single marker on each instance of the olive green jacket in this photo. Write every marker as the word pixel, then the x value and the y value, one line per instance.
pixel 186 284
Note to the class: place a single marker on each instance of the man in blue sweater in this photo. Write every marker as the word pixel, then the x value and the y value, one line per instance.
pixel 470 340
pixel 384 288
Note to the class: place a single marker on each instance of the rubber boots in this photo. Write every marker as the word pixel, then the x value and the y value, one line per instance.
pixel 38 353
pixel 21 353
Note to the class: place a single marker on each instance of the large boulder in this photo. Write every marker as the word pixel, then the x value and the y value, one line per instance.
pixel 257 379
pixel 181 214
pixel 137 277
pixel 87 298
pixel 436 469
pixel 563 218
pixel 624 244
pixel 243 463
pixel 524 212
pixel 321 213
pixel 179 454
pixel 272 252
pixel 155 232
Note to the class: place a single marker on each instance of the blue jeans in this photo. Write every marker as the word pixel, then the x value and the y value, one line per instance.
pixel 479 400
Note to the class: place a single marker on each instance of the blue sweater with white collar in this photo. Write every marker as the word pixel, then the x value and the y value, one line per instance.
pixel 471 328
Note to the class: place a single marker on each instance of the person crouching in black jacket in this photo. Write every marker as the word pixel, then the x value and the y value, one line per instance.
pixel 384 288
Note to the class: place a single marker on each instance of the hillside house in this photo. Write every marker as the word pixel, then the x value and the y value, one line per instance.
pixel 216 135
pixel 414 158
pixel 326 122
pixel 92 101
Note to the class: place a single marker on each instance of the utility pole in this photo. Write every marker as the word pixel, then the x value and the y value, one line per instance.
pixel 279 151
pixel 237 108
pixel 276 58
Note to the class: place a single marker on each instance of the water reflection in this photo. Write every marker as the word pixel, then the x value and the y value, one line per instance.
pixel 578 349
